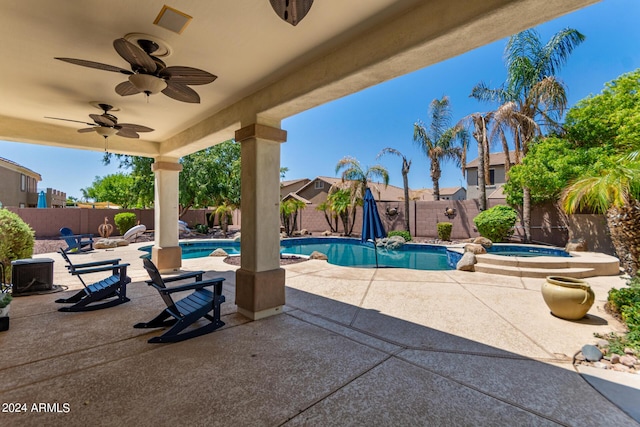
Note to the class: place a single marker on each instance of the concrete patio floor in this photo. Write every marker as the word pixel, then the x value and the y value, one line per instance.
pixel 387 347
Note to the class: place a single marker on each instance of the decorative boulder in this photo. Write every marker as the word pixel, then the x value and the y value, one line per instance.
pixel 394 242
pixel 475 248
pixel 467 262
pixel 577 245
pixel 105 244
pixel 236 237
pixel 318 255
pixel 122 242
pixel 487 243
pixel 304 232
pixel 219 252
pixel 326 233
pixel 591 353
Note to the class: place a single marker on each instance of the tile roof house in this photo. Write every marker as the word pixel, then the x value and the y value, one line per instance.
pixel 496 172
pixel 315 191
pixel 446 193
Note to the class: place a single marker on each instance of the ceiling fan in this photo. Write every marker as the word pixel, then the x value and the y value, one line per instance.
pixel 106 124
pixel 149 74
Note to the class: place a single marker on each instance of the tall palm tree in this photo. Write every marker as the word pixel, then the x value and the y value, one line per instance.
pixel 479 123
pixel 406 165
pixel 615 192
pixel 534 91
pixel 358 180
pixel 439 141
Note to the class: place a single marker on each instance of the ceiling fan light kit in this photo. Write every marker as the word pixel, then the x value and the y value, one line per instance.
pixel 291 11
pixel 147 83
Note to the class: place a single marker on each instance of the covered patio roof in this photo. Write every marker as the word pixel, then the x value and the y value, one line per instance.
pixel 265 67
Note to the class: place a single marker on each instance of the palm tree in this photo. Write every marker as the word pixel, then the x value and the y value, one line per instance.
pixel 406 165
pixel 438 141
pixel 479 123
pixel 615 192
pixel 538 98
pixel 358 180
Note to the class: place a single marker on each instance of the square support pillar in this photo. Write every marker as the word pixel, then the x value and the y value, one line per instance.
pixel 260 280
pixel 166 253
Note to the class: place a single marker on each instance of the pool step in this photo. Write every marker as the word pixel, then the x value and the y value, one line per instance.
pixel 536 272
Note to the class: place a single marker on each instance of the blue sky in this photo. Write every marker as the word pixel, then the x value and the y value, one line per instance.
pixel 364 123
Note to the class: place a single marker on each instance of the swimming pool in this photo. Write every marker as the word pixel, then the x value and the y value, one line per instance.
pixel 340 251
pixel 506 249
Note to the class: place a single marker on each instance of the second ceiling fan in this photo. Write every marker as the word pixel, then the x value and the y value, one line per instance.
pixel 149 74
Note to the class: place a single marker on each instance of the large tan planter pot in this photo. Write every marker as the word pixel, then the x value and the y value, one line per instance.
pixel 567 298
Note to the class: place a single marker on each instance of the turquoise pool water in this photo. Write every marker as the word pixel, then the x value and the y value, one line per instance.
pixel 340 251
pixel 354 253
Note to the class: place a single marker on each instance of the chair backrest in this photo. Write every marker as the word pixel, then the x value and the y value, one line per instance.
pixel 156 278
pixel 65 257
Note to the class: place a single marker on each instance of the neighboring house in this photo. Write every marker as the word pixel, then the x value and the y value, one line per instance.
pixel 19 187
pixel 292 186
pixel 497 176
pixel 316 190
pixel 448 193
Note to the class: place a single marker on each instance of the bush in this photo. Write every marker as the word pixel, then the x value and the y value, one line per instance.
pixel 444 231
pixel 405 234
pixel 16 242
pixel 496 224
pixel 202 228
pixel 124 221
pixel 625 303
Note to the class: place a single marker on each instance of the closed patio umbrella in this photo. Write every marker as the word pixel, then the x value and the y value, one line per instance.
pixel 42 200
pixel 372 227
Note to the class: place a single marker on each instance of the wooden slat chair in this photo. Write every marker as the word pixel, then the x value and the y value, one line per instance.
pixel 104 293
pixel 76 243
pixel 185 312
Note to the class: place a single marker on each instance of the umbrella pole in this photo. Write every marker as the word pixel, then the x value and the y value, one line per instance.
pixel 375 250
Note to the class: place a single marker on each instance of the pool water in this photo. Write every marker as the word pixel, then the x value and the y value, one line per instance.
pixel 339 251
pixel 526 251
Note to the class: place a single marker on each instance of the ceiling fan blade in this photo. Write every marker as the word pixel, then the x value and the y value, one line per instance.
pixel 134 55
pixel 102 120
pixel 85 130
pixel 133 127
pixel 127 133
pixel 98 65
pixel 126 89
pixel 188 75
pixel 69 120
pixel 181 92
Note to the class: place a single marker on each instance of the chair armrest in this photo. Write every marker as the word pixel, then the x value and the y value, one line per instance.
pixel 168 279
pixel 98 269
pixel 189 286
pixel 114 261
pixel 77 236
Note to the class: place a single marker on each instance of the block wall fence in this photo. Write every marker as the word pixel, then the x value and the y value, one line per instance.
pixel 549 226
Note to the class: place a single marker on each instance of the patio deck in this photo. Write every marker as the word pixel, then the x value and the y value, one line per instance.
pixel 353 347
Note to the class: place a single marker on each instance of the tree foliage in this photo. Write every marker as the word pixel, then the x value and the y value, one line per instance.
pixel 115 188
pixel 550 165
pixel 611 118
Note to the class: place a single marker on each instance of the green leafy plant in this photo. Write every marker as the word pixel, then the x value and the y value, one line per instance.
pixel 16 241
pixel 625 304
pixel 5 299
pixel 496 224
pixel 202 228
pixel 124 221
pixel 403 233
pixel 444 231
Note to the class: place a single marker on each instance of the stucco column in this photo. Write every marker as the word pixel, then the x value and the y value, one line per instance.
pixel 260 280
pixel 166 253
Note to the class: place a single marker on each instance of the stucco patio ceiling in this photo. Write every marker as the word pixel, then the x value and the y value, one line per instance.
pixel 265 66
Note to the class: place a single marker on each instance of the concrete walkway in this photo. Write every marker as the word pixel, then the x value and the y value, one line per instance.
pixel 387 347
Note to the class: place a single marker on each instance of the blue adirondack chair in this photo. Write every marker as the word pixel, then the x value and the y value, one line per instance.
pixel 185 312
pixel 104 293
pixel 76 243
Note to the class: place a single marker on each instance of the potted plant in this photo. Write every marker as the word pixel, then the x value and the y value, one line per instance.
pixel 5 302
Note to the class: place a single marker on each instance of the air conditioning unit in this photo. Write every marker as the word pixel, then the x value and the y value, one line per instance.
pixel 31 275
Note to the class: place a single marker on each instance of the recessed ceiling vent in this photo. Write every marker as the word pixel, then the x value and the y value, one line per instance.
pixel 172 19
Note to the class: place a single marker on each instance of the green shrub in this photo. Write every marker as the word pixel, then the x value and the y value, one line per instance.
pixel 124 221
pixel 405 234
pixel 496 224
pixel 625 303
pixel 5 299
pixel 16 241
pixel 444 231
pixel 202 228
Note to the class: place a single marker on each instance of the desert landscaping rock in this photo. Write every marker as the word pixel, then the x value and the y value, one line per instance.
pixel 591 353
pixel 219 252
pixel 467 262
